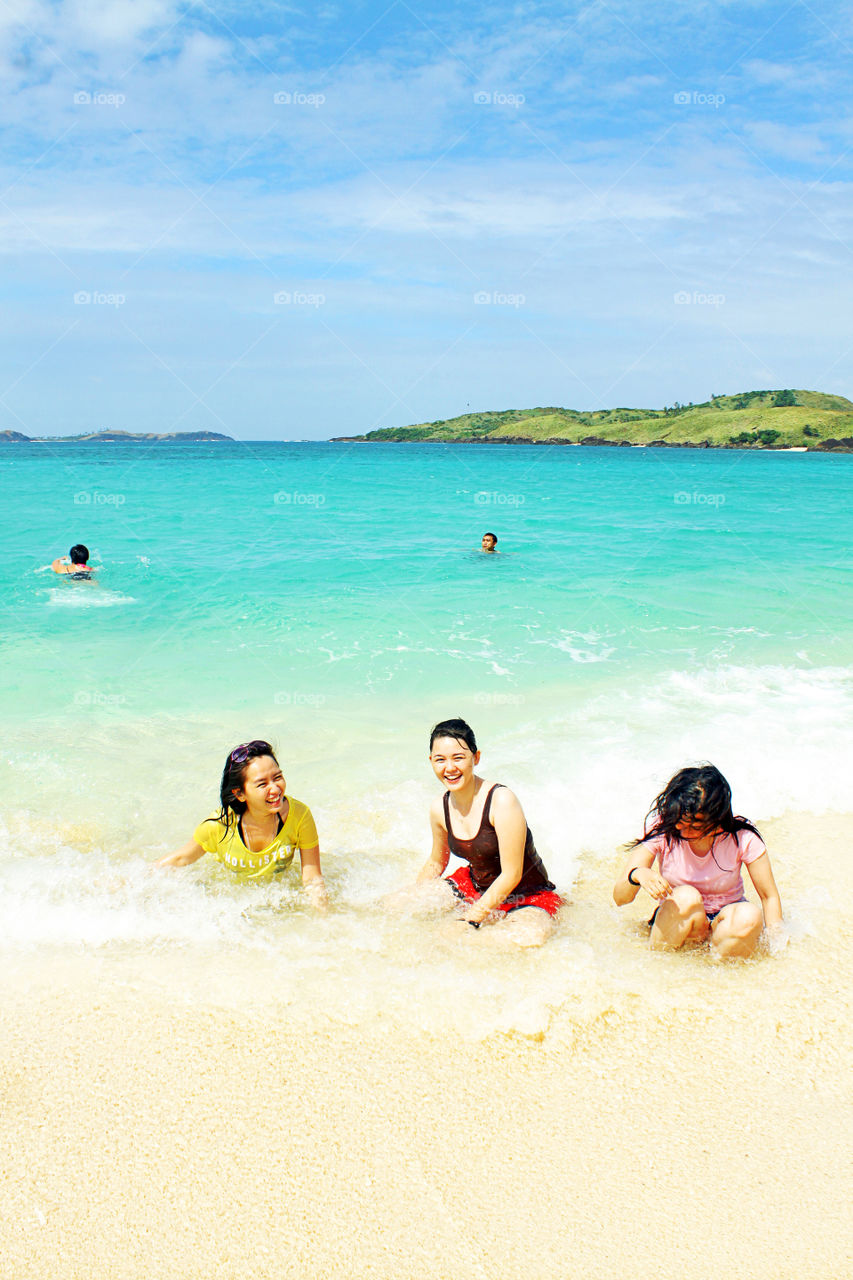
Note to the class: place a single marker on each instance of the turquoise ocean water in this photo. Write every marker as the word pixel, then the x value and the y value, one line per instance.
pixel 650 608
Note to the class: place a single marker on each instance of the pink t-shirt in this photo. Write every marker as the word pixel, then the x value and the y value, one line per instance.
pixel 717 875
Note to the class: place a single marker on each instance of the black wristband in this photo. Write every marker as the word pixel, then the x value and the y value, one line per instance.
pixel 635 883
pixel 475 924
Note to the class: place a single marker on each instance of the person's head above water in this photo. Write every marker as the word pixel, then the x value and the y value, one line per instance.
pixel 79 554
pixel 696 801
pixel 453 754
pixel 252 779
pixel 489 541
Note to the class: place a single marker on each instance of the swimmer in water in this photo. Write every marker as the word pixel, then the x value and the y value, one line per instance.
pixel 258 827
pixel 504 881
pixel 700 846
pixel 75 565
pixel 489 544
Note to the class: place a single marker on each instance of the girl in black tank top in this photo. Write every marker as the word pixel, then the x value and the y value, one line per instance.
pixel 504 873
pixel 483 852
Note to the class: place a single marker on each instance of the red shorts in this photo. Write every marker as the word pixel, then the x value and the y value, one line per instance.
pixel 463 886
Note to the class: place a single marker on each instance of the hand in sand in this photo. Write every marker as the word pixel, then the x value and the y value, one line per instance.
pixel 315 892
pixel 777 938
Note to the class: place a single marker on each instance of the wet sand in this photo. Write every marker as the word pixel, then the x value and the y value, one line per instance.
pixel 683 1118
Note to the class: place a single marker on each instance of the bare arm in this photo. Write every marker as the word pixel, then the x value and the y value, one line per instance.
pixel 312 877
pixel 439 857
pixel 761 875
pixel 511 826
pixel 188 853
pixel 640 861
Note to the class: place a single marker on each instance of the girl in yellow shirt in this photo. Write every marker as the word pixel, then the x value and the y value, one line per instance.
pixel 259 827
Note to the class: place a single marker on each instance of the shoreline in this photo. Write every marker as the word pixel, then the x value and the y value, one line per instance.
pixel 605 444
pixel 151 1130
pixel 829 446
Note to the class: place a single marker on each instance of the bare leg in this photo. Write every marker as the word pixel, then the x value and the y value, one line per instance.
pixel 680 918
pixel 527 927
pixel 736 930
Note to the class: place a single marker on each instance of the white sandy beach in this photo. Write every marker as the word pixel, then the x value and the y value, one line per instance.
pixel 684 1119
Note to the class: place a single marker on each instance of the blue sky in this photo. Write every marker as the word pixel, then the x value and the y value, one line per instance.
pixel 298 221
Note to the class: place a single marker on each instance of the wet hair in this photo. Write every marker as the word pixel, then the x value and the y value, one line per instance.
pixel 79 554
pixel 234 775
pixel 457 729
pixel 700 789
pixel 494 536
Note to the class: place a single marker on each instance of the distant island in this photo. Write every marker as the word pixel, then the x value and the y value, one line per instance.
pixel 112 437
pixel 785 419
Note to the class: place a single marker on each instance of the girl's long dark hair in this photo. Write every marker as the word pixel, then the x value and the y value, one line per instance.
pixel 701 789
pixel 233 776
pixel 457 729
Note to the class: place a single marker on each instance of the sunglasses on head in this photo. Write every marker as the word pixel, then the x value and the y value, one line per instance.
pixel 249 750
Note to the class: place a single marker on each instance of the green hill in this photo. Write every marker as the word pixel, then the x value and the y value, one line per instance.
pixel 783 419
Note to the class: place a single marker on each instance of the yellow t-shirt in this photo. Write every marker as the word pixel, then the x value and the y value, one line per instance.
pixel 298 832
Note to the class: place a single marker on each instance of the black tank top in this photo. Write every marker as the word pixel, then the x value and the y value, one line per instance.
pixel 483 854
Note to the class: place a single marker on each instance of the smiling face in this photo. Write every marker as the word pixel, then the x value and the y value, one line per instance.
pixel 453 763
pixel 263 787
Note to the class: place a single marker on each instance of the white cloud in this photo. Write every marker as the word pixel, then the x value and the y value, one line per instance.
pixel 773 73
pixel 111 22
pixel 632 85
pixel 520 199
pixel 793 142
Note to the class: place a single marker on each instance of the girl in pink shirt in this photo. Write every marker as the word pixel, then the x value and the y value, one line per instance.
pixel 700 846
